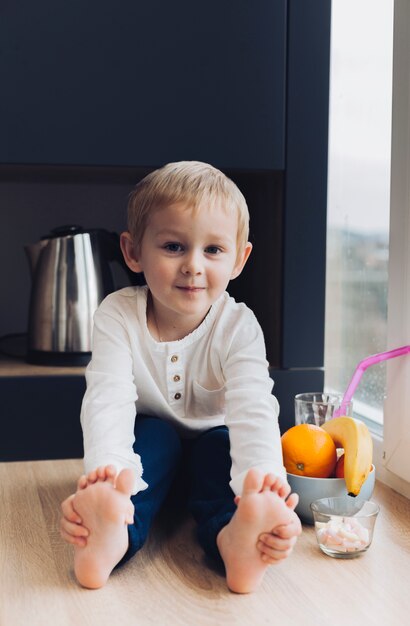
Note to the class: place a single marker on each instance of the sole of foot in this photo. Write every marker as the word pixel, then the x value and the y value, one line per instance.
pixel 258 511
pixel 105 511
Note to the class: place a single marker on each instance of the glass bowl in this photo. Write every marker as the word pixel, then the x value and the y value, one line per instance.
pixel 344 526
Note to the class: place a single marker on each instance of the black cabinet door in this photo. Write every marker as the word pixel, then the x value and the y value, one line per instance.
pixel 99 82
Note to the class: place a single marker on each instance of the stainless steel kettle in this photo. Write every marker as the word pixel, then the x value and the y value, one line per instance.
pixel 71 274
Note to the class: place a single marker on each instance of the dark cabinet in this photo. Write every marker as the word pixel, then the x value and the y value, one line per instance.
pixel 95 94
pixel 143 82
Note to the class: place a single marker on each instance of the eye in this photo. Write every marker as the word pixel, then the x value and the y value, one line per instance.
pixel 173 247
pixel 213 250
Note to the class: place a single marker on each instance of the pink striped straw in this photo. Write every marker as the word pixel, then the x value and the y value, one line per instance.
pixel 358 373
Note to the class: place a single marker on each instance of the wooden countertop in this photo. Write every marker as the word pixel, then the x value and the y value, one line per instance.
pixel 15 367
pixel 169 583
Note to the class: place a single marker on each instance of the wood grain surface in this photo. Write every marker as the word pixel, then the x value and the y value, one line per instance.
pixel 11 366
pixel 169 582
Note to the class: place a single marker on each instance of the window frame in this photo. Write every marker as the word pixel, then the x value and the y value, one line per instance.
pixel 392 451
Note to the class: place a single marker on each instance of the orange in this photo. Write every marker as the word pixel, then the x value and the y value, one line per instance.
pixel 309 450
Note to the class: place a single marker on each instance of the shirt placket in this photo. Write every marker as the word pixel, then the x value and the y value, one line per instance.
pixel 175 381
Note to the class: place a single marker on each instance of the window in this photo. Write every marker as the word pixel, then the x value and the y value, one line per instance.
pixel 359 198
pixel 390 404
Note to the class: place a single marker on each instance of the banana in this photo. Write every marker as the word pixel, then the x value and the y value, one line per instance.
pixel 352 435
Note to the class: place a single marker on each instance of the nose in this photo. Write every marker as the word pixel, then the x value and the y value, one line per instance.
pixel 192 264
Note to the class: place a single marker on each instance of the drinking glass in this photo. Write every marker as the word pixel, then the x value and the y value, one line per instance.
pixel 318 407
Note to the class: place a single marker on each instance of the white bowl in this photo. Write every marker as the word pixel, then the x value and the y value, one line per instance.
pixel 311 489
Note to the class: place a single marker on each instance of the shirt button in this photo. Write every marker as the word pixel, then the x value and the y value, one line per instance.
pixel 177 378
pixel 177 396
pixel 174 358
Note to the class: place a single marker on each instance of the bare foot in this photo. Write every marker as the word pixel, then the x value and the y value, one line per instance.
pixel 105 511
pixel 258 511
pixel 281 487
pixel 277 545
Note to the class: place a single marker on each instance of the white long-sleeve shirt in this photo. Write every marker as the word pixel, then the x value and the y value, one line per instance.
pixel 218 374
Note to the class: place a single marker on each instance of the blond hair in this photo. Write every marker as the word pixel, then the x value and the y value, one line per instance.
pixel 193 183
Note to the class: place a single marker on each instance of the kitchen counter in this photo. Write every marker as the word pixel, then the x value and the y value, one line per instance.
pixel 169 583
pixel 15 367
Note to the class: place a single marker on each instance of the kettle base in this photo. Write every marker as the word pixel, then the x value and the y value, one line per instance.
pixel 59 359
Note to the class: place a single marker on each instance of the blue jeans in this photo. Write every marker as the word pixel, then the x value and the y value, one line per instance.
pixel 202 465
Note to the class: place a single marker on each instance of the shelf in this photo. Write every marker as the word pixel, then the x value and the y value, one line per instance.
pixel 14 367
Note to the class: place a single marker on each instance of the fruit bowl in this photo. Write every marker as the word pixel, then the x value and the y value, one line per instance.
pixel 311 489
pixel 344 526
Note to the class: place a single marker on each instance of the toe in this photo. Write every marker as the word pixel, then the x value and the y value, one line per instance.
pixel 253 482
pixel 268 482
pixel 292 501
pixel 125 481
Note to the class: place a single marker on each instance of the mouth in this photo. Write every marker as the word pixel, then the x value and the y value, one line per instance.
pixel 190 289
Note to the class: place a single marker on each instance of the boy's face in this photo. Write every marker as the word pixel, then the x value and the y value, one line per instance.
pixel 188 260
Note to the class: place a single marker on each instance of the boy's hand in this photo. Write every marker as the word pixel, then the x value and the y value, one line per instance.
pixel 71 528
pixel 278 544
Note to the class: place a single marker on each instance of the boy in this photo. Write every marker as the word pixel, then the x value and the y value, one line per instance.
pixel 179 376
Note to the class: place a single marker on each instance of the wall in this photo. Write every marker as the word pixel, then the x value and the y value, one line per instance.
pixel 95 198
pixel 28 211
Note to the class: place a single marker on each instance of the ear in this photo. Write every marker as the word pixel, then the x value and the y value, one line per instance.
pixel 240 262
pixel 129 252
